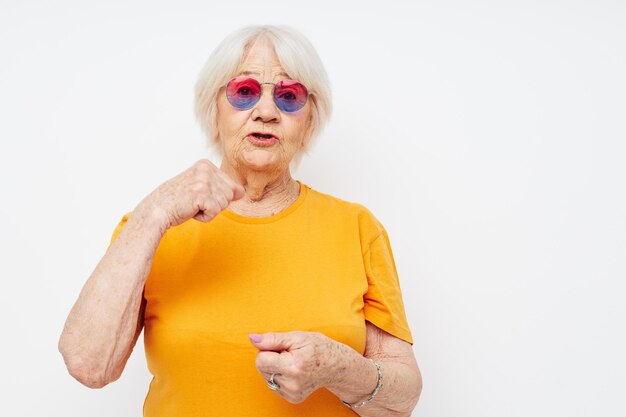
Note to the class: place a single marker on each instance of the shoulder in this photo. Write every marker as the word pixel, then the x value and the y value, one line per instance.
pixel 368 224
pixel 338 203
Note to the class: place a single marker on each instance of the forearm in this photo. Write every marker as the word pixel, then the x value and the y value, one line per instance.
pixel 356 377
pixel 100 330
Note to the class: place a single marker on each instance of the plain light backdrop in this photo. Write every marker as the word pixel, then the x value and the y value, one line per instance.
pixel 487 136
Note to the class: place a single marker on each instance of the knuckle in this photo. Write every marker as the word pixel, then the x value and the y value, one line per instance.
pixel 295 399
pixel 202 162
pixel 215 206
pixel 262 360
pixel 269 338
pixel 296 370
pixel 201 167
pixel 211 212
pixel 196 167
pixel 196 187
pixel 297 387
pixel 229 194
pixel 197 201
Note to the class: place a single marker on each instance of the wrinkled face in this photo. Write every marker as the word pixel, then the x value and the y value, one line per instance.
pixel 235 127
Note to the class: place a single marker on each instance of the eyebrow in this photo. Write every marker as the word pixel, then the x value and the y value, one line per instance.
pixel 258 73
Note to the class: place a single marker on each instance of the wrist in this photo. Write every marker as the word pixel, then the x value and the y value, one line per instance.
pixel 355 379
pixel 339 359
pixel 151 217
pixel 370 397
pixel 149 221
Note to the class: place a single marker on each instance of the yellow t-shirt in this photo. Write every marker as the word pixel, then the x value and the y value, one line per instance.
pixel 322 265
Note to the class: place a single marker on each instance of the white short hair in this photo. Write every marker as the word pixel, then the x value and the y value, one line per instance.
pixel 295 53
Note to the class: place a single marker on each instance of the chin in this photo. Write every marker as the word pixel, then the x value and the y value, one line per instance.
pixel 263 159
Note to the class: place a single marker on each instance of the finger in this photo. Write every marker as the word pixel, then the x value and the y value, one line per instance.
pixel 222 200
pixel 268 363
pixel 225 190
pixel 202 217
pixel 204 163
pixel 207 211
pixel 278 377
pixel 276 342
pixel 279 380
pixel 238 190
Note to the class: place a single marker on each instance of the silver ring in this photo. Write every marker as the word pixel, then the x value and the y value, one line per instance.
pixel 273 385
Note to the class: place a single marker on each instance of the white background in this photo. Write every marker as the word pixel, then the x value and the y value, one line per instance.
pixel 487 136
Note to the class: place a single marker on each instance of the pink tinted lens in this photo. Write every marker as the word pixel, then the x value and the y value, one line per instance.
pixel 243 92
pixel 290 95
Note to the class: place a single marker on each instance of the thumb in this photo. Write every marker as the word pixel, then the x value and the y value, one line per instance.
pixel 276 342
pixel 238 191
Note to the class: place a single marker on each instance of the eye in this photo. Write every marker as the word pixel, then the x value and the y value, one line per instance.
pixel 244 91
pixel 288 96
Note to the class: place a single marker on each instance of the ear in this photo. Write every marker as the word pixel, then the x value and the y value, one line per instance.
pixel 216 126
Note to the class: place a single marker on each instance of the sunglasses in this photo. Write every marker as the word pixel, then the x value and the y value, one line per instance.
pixel 244 92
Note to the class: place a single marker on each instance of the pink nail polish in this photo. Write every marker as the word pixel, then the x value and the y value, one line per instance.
pixel 256 338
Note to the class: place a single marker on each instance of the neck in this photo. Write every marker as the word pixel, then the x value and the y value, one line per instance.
pixel 267 192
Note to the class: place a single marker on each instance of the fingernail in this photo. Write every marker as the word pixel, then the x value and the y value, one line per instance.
pixel 256 338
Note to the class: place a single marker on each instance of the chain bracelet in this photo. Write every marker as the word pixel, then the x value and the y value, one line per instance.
pixel 373 394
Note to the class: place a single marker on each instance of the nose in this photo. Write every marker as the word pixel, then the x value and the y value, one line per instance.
pixel 265 110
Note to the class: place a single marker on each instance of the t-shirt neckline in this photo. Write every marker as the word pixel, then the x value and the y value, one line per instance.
pixel 274 217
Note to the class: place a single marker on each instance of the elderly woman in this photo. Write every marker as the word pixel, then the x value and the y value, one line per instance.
pixel 259 296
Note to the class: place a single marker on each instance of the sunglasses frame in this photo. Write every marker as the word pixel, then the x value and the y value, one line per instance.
pixel 261 94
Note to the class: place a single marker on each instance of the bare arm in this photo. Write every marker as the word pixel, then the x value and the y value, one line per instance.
pixel 356 376
pixel 106 320
pixel 104 324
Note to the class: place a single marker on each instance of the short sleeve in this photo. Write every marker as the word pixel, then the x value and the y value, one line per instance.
pixel 383 301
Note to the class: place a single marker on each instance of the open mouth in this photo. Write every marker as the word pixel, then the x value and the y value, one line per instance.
pixel 262 139
pixel 263 135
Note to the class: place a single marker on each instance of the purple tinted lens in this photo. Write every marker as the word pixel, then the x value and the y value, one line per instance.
pixel 290 95
pixel 243 92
